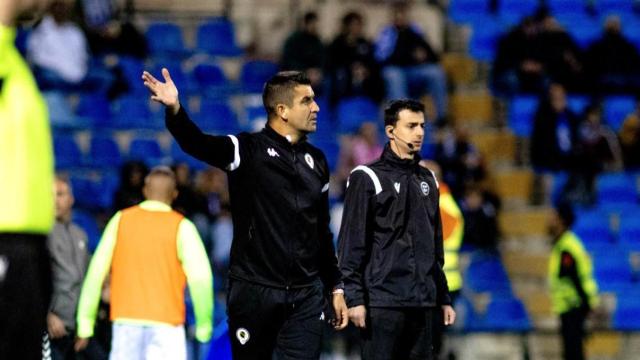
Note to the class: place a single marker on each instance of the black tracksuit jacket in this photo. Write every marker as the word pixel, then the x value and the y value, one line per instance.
pixel 279 203
pixel 390 246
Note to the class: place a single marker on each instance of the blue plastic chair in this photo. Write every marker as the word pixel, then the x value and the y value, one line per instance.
pixel 88 223
pixel 217 117
pixel 629 231
pixel 627 314
pixel 67 152
pixel 60 114
pixel 165 39
pixel 465 11
pixel 518 7
pixel 616 188
pixel 212 82
pixel 613 274
pixel 331 150
pixel 95 109
pixel 484 38
pixel 487 274
pixel 254 75
pixel 132 69
pixel 618 6
pixel 616 109
pixel 506 315
pixel 132 112
pixel 566 6
pixel 104 152
pixel 578 103
pixel 522 111
pixel 217 37
pixel 594 229
pixel 147 150
pixel 352 112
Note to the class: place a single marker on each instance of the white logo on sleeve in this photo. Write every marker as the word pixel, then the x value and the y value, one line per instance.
pixel 242 335
pixel 397 186
pixel 309 160
pixel 272 152
pixel 425 188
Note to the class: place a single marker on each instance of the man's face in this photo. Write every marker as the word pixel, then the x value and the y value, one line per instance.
pixel 409 129
pixel 64 200
pixel 302 115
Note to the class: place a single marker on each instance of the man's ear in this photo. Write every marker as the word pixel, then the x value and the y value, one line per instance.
pixel 283 111
pixel 388 130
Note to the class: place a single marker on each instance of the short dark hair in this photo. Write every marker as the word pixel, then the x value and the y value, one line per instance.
pixel 350 17
pixel 566 213
pixel 279 89
pixel 309 17
pixel 394 108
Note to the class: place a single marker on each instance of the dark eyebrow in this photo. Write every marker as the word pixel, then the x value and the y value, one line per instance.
pixel 307 99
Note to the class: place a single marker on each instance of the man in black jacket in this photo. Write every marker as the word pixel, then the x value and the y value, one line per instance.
pixel 282 256
pixel 390 247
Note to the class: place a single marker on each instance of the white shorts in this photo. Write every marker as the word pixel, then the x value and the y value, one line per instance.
pixel 148 342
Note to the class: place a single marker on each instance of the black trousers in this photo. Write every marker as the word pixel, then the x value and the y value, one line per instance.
pixel 398 334
pixel 62 349
pixel 269 323
pixel 25 293
pixel 573 333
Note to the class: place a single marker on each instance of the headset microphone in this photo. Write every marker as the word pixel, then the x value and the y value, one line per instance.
pixel 410 145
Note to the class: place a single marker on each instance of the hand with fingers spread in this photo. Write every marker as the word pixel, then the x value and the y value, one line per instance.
pixel 165 92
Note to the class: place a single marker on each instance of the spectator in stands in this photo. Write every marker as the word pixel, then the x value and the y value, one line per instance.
pixel 26 210
pixel 555 133
pixel 351 66
pixel 518 66
pixel 561 56
pixel 613 62
pixel 480 219
pixel 110 28
pixel 57 49
pixel 67 245
pixel 303 51
pixel 151 252
pixel 460 160
pixel 629 136
pixel 131 181
pixel 574 292
pixel 409 62
pixel 361 149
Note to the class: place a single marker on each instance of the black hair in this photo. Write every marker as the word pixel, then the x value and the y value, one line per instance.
pixel 393 109
pixel 311 16
pixel 566 213
pixel 279 89
pixel 350 17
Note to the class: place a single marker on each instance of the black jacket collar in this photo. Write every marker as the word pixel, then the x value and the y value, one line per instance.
pixel 268 131
pixel 395 161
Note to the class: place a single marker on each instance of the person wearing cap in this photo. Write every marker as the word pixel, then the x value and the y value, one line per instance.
pixel 151 252
pixel 574 291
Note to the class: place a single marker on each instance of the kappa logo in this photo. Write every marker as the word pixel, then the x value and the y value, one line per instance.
pixel 397 186
pixel 242 335
pixel 272 152
pixel 425 188
pixel 309 160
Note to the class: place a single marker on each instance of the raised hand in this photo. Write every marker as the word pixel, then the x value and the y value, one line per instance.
pixel 165 92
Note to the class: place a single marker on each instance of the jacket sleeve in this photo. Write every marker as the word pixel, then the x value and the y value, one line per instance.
pixel 439 277
pixel 354 236
pixel 329 271
pixel 195 265
pixel 92 286
pixel 220 151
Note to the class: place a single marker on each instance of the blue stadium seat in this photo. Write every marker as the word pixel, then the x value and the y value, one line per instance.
pixel 220 343
pixel 331 150
pixel 179 156
pixel 627 314
pixel 578 103
pixel 95 109
pixel 613 273
pixel 616 109
pixel 522 111
pixel 352 112
pixel 487 274
pixel 616 188
pixel 566 6
pixel 183 82
pixel 467 319
pixel 88 223
pixel 465 11
pixel 147 150
pixel 132 69
pixel 594 229
pixel 517 8
pixel 67 152
pixel 505 315
pixel 617 6
pixel 217 37
pixel 60 114
pixel 104 152
pixel 212 82
pixel 256 118
pixel 84 192
pixel 629 231
pixel 585 34
pixel 217 117
pixel 255 73
pixel 132 112
pixel 165 39
pixel 484 38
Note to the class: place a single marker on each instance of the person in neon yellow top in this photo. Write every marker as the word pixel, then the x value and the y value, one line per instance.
pixel 26 210
pixel 574 291
pixel 151 252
